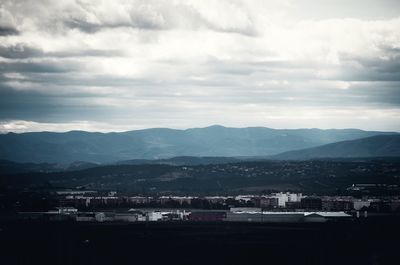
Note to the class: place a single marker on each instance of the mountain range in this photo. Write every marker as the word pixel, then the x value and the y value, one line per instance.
pixel 213 141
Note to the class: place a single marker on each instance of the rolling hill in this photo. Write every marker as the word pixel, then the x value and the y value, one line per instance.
pixel 375 146
pixel 312 176
pixel 162 143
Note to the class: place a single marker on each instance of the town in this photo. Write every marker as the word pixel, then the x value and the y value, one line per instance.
pixel 95 206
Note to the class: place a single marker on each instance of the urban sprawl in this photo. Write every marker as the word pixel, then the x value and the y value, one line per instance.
pixel 95 206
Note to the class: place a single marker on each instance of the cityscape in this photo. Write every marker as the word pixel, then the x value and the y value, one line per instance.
pixel 276 207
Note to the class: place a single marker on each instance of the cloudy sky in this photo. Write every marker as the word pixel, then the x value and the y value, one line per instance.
pixel 122 65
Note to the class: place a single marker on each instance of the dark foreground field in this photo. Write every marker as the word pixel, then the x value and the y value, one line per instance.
pixel 372 242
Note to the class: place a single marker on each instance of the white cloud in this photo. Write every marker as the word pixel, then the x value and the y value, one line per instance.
pixel 6 19
pixel 174 60
pixel 20 126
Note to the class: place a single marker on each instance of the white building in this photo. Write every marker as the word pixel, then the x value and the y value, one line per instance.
pixel 359 204
pixel 154 216
pixel 283 198
pixel 100 217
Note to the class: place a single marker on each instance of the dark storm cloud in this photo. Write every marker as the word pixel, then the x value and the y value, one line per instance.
pixel 26 104
pixel 23 51
pixel 6 31
pixel 19 52
pixel 389 66
pixel 85 53
pixel 33 105
pixel 378 93
pixel 88 27
pixel 371 69
pixel 38 67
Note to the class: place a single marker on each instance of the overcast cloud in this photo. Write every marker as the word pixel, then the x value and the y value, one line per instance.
pixel 121 65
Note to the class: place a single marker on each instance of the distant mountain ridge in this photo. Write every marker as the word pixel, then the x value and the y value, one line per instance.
pixel 374 146
pixel 163 143
pixel 183 161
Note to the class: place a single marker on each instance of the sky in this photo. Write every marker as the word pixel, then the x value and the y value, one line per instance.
pixel 124 65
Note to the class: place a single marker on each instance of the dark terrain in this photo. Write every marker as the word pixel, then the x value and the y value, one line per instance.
pixel 312 176
pixel 372 241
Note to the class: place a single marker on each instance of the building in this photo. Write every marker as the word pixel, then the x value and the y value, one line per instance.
pixel 85 217
pixel 71 192
pixel 283 198
pixel 178 199
pixel 126 217
pixel 269 203
pixel 360 204
pixel 311 203
pixel 207 216
pixel 269 217
pixel 154 216
pixel 217 199
pixel 66 210
pixel 139 199
pixel 100 217
pixel 320 217
pixel 337 204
